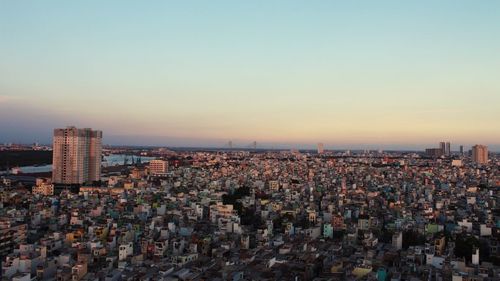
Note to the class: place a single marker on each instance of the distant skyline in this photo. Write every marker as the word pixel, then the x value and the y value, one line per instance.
pixel 244 144
pixel 349 74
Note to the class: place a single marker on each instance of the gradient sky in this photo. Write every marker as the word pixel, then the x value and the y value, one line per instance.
pixel 388 74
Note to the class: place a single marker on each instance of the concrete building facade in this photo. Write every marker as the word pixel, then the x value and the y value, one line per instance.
pixel 76 155
pixel 480 154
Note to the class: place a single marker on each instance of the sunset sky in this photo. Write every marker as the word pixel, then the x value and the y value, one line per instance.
pixel 349 74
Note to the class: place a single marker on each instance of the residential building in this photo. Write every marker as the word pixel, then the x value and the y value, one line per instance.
pixel 76 156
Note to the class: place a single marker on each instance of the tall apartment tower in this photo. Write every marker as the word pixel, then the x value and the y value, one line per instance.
pixel 447 151
pixel 76 155
pixel 461 150
pixel 442 146
pixel 480 154
pixel 321 148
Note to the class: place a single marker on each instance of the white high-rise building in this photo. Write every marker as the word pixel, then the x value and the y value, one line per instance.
pixel 76 156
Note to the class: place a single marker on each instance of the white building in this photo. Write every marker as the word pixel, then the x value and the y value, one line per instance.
pixel 125 250
pixel 397 240
pixel 475 257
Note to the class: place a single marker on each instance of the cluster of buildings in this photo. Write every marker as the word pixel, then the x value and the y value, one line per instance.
pixel 23 147
pixel 478 152
pixel 247 215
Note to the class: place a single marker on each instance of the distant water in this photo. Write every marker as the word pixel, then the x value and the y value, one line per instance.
pixel 36 169
pixel 111 160
pixel 119 159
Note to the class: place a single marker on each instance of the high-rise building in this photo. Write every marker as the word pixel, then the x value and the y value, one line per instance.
pixel 461 150
pixel 321 148
pixel 76 156
pixel 158 167
pixel 434 152
pixel 447 151
pixel 442 146
pixel 480 154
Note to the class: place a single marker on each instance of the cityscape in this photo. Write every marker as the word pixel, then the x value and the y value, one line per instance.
pixel 249 214
pixel 249 140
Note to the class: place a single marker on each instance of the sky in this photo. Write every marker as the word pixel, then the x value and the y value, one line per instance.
pixel 349 74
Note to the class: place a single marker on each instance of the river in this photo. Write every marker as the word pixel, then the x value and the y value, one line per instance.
pixel 109 160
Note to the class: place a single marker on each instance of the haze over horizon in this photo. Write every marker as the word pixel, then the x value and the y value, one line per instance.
pixel 369 74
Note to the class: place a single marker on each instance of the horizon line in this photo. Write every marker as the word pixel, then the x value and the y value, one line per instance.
pixel 281 148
